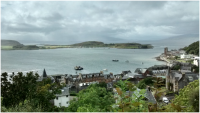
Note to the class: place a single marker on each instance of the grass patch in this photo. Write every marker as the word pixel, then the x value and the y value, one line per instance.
pixel 6 47
pixel 181 60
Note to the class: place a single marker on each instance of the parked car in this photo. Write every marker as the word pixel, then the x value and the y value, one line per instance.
pixel 165 100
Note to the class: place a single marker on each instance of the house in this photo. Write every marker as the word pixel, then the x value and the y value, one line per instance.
pixel 81 81
pixel 159 72
pixel 176 80
pixel 117 77
pixel 196 61
pixel 108 78
pixel 184 56
pixel 125 72
pixel 186 66
pixel 72 81
pixel 110 86
pixel 63 98
pixel 133 77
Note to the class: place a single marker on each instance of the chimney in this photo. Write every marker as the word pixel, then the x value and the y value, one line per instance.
pixel 183 75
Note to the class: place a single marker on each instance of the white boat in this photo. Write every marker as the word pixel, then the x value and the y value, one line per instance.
pixel 105 69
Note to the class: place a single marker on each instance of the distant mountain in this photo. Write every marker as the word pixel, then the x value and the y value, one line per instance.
pixel 180 40
pixel 15 45
pixel 10 43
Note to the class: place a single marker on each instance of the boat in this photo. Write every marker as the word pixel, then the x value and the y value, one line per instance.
pixel 115 60
pixel 78 68
pixel 105 69
pixel 127 61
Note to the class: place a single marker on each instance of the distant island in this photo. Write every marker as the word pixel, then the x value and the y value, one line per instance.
pixel 113 45
pixel 15 45
pixel 95 44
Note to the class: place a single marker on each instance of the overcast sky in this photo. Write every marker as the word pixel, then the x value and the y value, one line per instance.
pixel 70 22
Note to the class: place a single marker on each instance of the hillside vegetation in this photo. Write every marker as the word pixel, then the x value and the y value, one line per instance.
pixel 113 45
pixel 10 43
pixel 15 45
pixel 192 48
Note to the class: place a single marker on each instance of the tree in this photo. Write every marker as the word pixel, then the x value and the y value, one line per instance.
pixel 188 99
pixel 176 57
pixel 45 92
pixel 176 67
pixel 26 107
pixel 95 98
pixel 146 81
pixel 129 102
pixel 192 48
pixel 24 87
pixel 195 68
pixel 17 88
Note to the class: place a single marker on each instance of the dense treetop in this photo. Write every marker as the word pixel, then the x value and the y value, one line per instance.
pixel 192 48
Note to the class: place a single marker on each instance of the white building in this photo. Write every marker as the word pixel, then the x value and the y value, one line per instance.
pixel 196 61
pixel 183 56
pixel 63 98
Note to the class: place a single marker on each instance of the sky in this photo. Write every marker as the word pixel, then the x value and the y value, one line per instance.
pixel 66 22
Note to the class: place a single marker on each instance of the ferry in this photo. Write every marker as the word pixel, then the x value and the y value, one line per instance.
pixel 78 68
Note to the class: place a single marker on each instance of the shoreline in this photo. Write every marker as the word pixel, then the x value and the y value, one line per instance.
pixel 158 59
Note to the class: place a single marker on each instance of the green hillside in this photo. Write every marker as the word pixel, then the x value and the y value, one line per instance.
pixel 89 44
pixel 10 43
pixel 113 45
pixel 15 45
pixel 192 48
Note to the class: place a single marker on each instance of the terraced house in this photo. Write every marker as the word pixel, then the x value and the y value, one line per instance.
pixel 176 80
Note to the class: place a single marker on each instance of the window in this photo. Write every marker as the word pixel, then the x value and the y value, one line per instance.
pixel 59 104
pixel 57 98
pixel 67 102
pixel 66 95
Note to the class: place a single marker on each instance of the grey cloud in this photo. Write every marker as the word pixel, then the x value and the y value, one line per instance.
pixel 107 21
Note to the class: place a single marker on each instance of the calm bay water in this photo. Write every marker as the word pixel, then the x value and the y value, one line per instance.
pixel 63 61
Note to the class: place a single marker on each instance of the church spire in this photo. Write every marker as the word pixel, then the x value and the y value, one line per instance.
pixel 44 73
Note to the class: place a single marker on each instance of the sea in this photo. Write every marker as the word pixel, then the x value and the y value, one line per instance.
pixel 93 60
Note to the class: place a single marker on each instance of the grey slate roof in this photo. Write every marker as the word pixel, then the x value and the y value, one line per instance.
pixel 191 76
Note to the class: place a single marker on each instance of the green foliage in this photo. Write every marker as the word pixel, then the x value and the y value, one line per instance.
pixel 45 92
pixel 95 98
pixel 176 57
pixel 114 45
pixel 188 98
pixel 19 89
pixel 176 67
pixel 9 43
pixel 196 69
pixel 192 48
pixel 24 87
pixel 127 102
pixel 26 107
pixel 28 47
pixel 146 81
pixel 190 61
